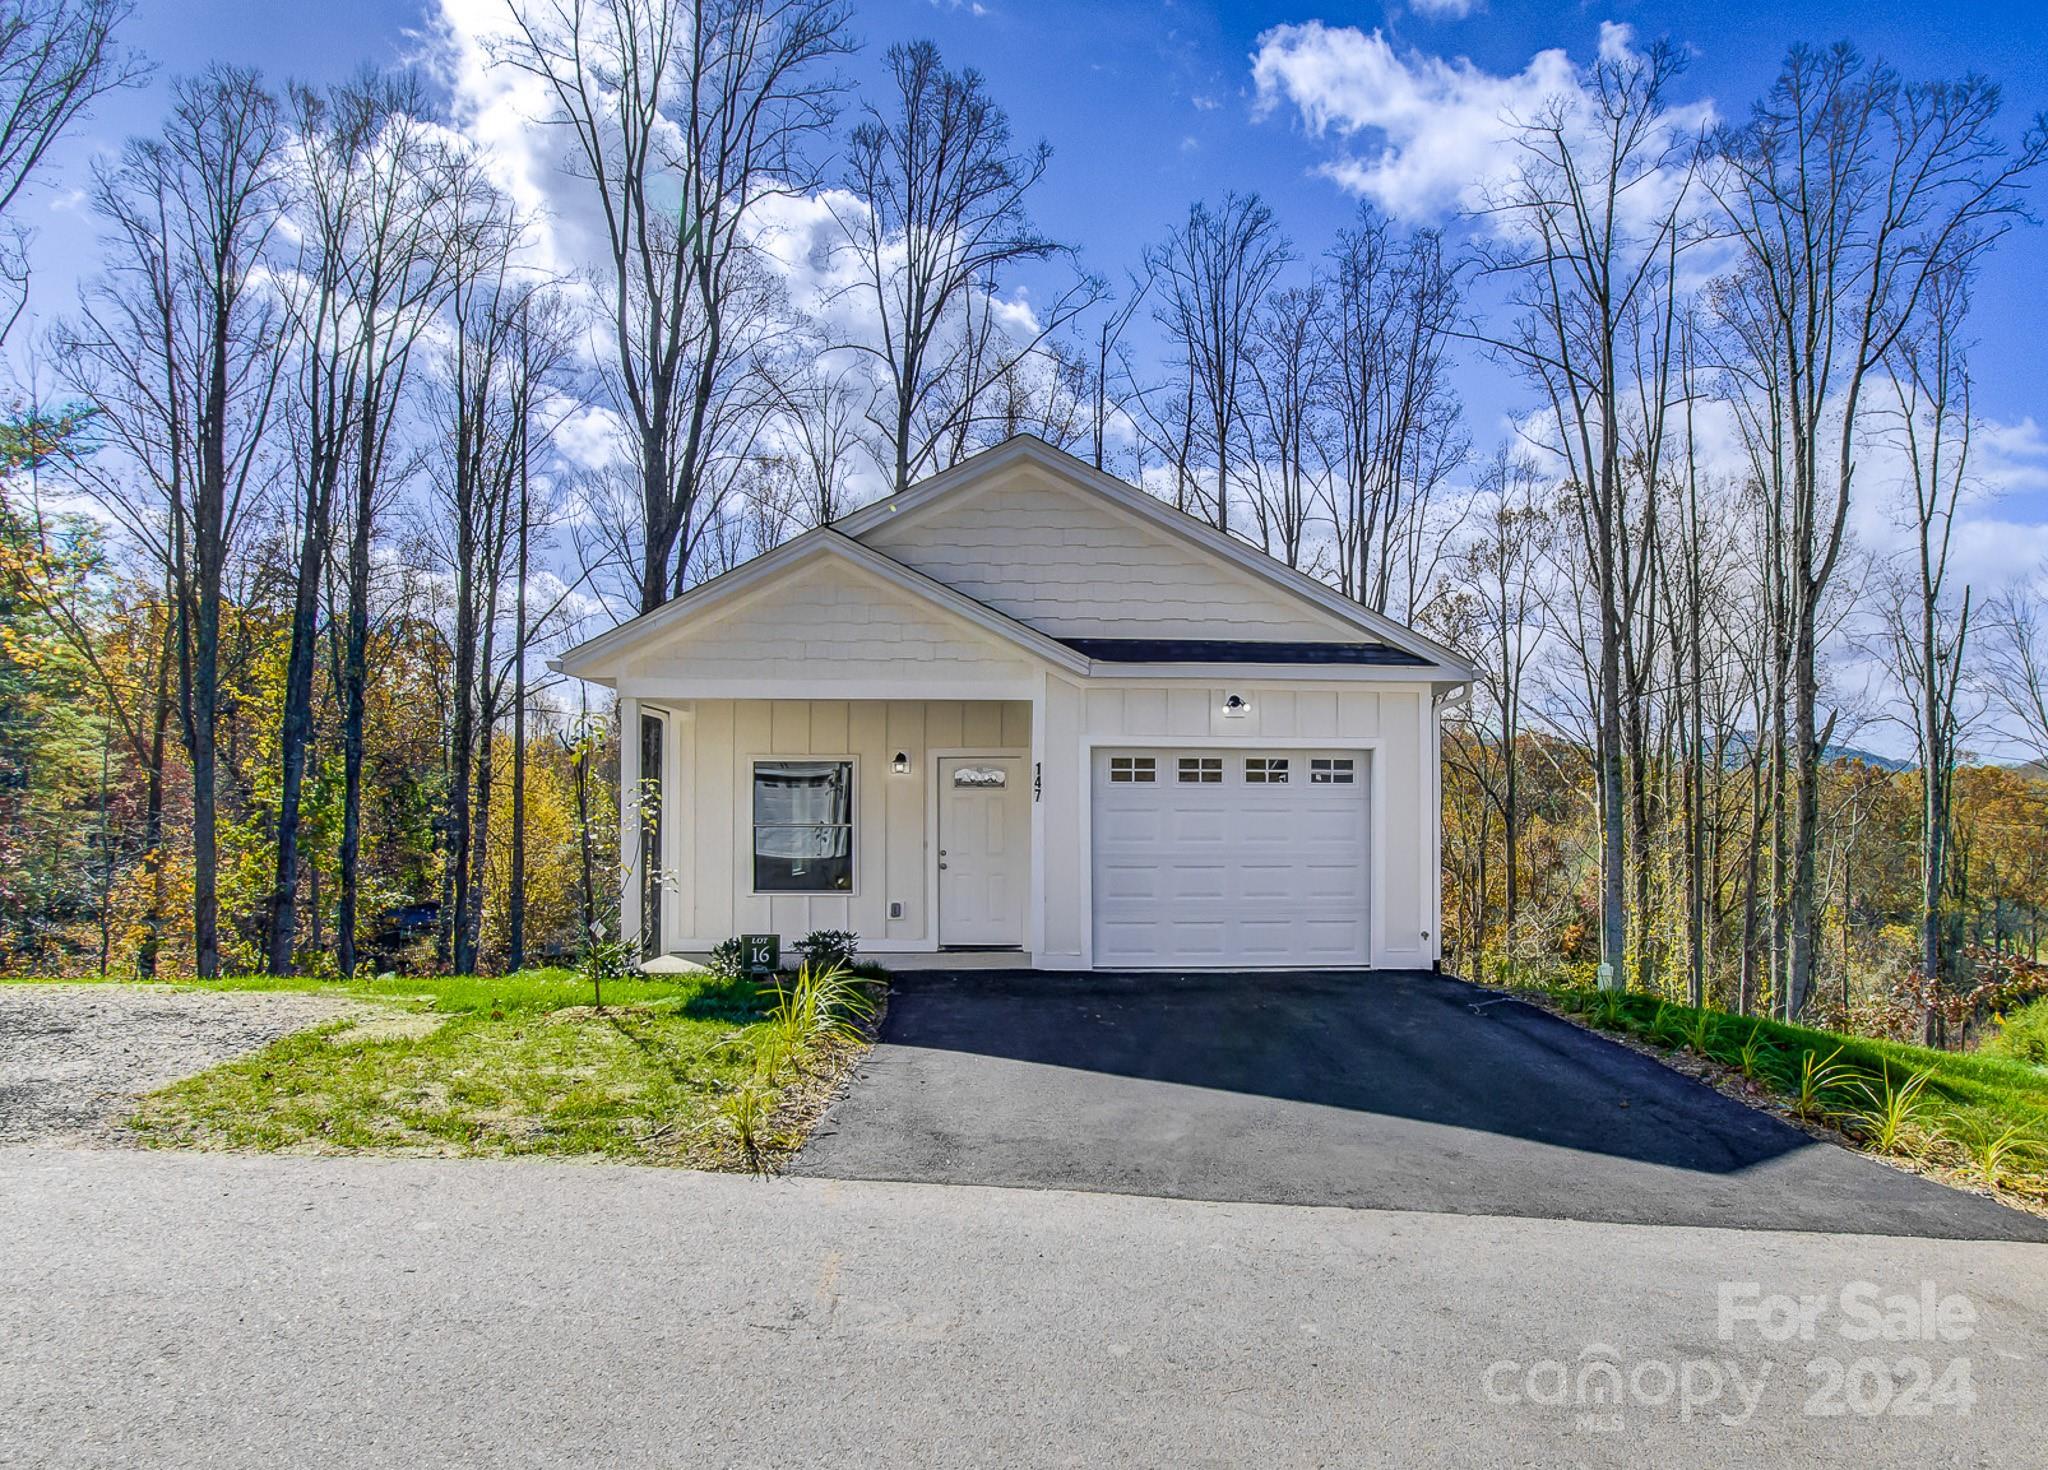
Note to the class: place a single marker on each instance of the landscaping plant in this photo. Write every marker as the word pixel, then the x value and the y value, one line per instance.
pixel 1819 1076
pixel 728 959
pixel 825 949
pixel 606 960
pixel 1995 1152
pixel 1890 1110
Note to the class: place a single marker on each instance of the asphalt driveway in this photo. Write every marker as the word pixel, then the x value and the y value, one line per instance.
pixel 1378 1090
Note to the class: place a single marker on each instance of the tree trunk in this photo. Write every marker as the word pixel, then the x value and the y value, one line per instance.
pixel 354 698
pixel 295 735
pixel 515 899
pixel 153 814
pixel 1805 819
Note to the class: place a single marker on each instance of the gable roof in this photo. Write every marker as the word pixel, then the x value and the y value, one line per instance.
pixel 985 468
pixel 595 657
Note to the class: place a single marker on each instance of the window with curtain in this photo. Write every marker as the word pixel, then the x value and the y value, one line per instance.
pixel 803 826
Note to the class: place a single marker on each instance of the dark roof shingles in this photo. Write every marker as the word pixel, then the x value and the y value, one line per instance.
pixel 1238 651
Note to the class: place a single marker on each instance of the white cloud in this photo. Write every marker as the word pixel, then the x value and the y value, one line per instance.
pixel 1445 9
pixel 1617 40
pixel 1421 136
pixel 502 110
pixel 1422 132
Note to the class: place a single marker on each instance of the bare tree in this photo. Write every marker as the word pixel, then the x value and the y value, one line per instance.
pixel 483 405
pixel 814 432
pixel 686 118
pixel 2014 654
pixel 1214 274
pixel 1595 215
pixel 1497 577
pixel 1393 306
pixel 939 225
pixel 1849 191
pixel 177 348
pixel 1289 367
pixel 56 57
pixel 370 215
pixel 1109 367
pixel 1927 631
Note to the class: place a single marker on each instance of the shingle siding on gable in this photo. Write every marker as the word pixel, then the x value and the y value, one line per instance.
pixel 1042 554
pixel 833 615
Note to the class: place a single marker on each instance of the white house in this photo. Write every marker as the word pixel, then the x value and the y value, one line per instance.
pixel 1024 706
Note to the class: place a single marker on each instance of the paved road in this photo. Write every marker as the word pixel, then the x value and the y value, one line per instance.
pixel 174 1310
pixel 1381 1091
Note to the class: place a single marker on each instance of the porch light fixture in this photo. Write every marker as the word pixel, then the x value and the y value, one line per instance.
pixel 900 764
pixel 1236 704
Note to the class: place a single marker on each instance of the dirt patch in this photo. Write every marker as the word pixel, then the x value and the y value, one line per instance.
pixel 397 1026
pixel 74 1057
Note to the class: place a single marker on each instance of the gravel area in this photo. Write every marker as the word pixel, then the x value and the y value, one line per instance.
pixel 73 1056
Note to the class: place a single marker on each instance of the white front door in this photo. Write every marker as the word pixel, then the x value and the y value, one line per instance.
pixel 1219 858
pixel 984 850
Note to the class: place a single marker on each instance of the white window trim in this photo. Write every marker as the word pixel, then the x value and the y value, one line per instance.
pixel 853 823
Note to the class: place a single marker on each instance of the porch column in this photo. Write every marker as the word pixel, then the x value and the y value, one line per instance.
pixel 1034 936
pixel 629 821
pixel 1062 831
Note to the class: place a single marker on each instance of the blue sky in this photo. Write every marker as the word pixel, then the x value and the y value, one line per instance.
pixel 1152 103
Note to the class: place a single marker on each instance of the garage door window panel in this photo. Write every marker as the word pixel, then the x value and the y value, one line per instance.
pixel 1265 771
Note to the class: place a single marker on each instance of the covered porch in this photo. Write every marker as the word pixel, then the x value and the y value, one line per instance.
pixel 909 822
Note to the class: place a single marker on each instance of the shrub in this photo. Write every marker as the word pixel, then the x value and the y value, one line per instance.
pixel 1890 1109
pixel 743 1113
pixel 829 949
pixel 822 1006
pixel 1818 1076
pixel 1996 1148
pixel 1753 1055
pixel 2023 1034
pixel 728 959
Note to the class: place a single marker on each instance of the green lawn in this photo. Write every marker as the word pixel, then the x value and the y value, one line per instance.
pixel 520 1064
pixel 1976 1117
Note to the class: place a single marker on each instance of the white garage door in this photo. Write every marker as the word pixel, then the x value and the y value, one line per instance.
pixel 1213 859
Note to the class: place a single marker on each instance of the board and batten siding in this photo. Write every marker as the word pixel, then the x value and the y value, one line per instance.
pixel 1394 723
pixel 1076 566
pixel 710 827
